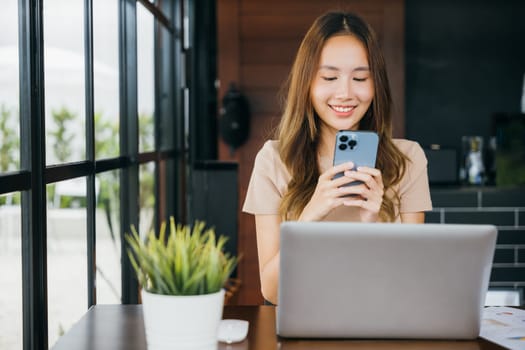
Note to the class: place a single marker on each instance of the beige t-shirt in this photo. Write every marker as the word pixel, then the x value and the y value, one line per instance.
pixel 269 182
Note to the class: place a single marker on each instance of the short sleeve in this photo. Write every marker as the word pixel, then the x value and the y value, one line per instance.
pixel 414 191
pixel 267 183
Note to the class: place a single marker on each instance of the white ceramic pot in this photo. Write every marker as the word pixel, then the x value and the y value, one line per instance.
pixel 182 322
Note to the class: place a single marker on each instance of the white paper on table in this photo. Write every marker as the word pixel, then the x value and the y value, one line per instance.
pixel 504 326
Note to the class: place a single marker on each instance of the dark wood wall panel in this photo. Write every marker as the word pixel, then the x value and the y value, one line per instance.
pixel 264 75
pixel 268 51
pixel 275 26
pixel 309 7
pixel 257 41
pixel 262 100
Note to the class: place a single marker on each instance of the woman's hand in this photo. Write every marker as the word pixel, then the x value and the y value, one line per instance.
pixel 331 193
pixel 328 194
pixel 368 195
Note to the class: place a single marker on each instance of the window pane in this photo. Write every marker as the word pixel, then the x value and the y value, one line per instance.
pixel 145 79
pixel 66 256
pixel 11 272
pixel 9 94
pixel 64 80
pixel 106 78
pixel 108 238
pixel 146 197
pixel 167 103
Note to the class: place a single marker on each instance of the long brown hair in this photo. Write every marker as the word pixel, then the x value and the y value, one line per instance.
pixel 298 130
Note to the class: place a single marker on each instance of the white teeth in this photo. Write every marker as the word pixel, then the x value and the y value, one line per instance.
pixel 342 109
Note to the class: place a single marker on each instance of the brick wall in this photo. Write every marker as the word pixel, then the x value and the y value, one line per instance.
pixel 504 208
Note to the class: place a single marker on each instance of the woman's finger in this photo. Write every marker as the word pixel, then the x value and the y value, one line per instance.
pixel 370 205
pixel 371 181
pixel 331 172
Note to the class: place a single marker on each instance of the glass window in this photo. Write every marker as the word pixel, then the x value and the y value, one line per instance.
pixel 66 256
pixel 108 238
pixel 106 78
pixel 65 201
pixel 9 87
pixel 11 309
pixel 64 80
pixel 146 197
pixel 145 78
pixel 11 272
pixel 167 100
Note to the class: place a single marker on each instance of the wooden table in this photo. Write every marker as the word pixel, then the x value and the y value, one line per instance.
pixel 120 327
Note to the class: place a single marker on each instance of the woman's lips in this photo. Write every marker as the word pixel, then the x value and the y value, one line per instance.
pixel 342 110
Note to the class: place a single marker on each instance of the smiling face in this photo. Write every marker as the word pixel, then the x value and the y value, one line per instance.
pixel 343 88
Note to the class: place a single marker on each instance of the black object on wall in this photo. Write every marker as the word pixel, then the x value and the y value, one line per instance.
pixel 464 61
pixel 442 166
pixel 235 118
pixel 509 160
pixel 214 199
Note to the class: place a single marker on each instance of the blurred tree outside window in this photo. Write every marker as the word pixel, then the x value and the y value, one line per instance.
pixel 62 136
pixel 9 148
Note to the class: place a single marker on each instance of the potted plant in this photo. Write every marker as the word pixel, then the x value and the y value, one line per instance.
pixel 182 274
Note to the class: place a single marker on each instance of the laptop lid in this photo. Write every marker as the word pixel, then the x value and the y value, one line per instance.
pixel 360 280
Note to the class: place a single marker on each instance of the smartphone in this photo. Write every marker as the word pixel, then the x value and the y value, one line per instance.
pixel 359 147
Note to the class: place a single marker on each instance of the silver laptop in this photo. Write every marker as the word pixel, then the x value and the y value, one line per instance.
pixel 357 280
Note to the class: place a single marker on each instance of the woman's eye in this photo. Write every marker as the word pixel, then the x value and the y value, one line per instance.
pixel 329 78
pixel 360 79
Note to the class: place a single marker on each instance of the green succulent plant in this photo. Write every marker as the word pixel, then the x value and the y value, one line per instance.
pixel 183 261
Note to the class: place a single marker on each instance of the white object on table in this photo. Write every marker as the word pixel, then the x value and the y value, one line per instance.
pixel 232 330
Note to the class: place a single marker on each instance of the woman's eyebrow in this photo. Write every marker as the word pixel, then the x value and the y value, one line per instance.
pixel 356 69
pixel 325 66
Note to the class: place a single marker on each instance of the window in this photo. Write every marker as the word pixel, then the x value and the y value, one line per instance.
pixel 66 255
pixel 105 76
pixel 10 208
pixel 9 86
pixel 11 272
pixel 64 74
pixel 79 160
pixel 146 74
pixel 108 248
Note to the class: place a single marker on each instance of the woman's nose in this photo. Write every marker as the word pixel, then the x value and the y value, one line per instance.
pixel 344 89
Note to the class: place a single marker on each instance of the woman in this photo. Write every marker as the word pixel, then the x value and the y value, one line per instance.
pixel 338 82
